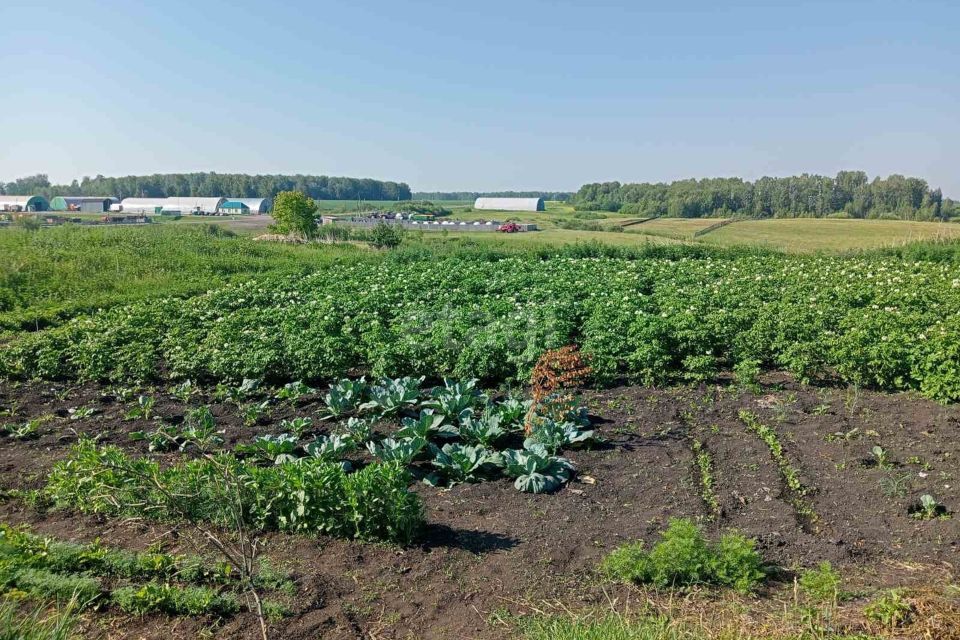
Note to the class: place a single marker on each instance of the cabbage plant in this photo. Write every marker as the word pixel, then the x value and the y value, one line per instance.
pixel 555 435
pixel 390 396
pixel 345 396
pixel 483 430
pixel 535 470
pixel 456 463
pixel 426 425
pixel 403 451
pixel 453 398
pixel 330 448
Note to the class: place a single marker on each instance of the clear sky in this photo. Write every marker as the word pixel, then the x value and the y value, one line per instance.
pixel 483 95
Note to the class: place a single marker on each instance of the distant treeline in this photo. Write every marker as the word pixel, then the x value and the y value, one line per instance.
pixel 473 195
pixel 849 194
pixel 237 185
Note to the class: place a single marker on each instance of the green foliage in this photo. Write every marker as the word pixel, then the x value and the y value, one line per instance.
pixel 747 373
pixel 44 584
pixel 683 557
pixel 770 438
pixel 37 624
pixel 345 396
pixel 555 435
pixel 427 425
pixel 628 563
pixel 707 483
pixel 294 213
pixel 823 583
pixel 402 451
pixel 849 192
pixel 28 430
pixel 484 430
pixel 456 463
pixel 277 449
pixel 928 509
pixel 309 496
pixel 388 397
pixel 535 470
pixel 453 398
pixel 331 448
pixel 293 391
pixel 386 236
pixel 891 610
pixel 157 597
pixel 653 316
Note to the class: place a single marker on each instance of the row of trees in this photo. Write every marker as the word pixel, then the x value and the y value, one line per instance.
pixel 850 193
pixel 473 195
pixel 212 184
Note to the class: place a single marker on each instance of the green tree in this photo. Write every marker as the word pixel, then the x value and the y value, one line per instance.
pixel 386 236
pixel 295 213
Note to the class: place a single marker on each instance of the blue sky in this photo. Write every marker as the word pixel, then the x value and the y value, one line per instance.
pixel 493 95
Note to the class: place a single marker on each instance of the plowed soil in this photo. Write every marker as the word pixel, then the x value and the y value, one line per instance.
pixel 490 549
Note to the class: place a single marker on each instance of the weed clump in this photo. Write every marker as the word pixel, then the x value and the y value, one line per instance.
pixel 683 557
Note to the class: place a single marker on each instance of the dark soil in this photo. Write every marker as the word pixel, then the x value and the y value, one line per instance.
pixel 489 548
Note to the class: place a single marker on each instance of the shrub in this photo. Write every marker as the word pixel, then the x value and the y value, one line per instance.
pixel 736 563
pixel 683 557
pixel 310 495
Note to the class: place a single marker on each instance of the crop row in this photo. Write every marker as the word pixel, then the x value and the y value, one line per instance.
pixel 870 321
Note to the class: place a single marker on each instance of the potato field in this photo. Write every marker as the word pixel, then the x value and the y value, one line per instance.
pixel 673 443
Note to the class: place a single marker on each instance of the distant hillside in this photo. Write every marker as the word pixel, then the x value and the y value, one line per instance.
pixel 213 184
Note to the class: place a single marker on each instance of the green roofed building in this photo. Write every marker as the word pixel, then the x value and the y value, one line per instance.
pixel 247 205
pixel 87 204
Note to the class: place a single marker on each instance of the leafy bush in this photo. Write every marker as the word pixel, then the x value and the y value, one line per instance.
pixel 310 496
pixel 683 557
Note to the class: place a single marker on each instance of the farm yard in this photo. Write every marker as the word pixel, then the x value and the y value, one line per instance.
pixel 347 441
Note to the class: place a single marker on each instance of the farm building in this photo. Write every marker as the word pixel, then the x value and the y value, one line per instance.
pixel 247 205
pixel 189 204
pixel 509 204
pixel 24 203
pixel 90 204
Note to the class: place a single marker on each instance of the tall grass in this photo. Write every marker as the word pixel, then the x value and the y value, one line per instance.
pixel 39 623
pixel 49 275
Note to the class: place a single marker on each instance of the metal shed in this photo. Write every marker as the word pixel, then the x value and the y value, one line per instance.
pixel 24 203
pixel 90 204
pixel 188 204
pixel 247 205
pixel 143 205
pixel 509 204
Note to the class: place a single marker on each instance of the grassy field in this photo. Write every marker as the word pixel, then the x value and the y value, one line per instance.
pixel 809 234
pixel 677 228
pixel 56 273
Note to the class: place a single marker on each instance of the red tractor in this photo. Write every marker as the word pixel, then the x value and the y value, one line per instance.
pixel 509 227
